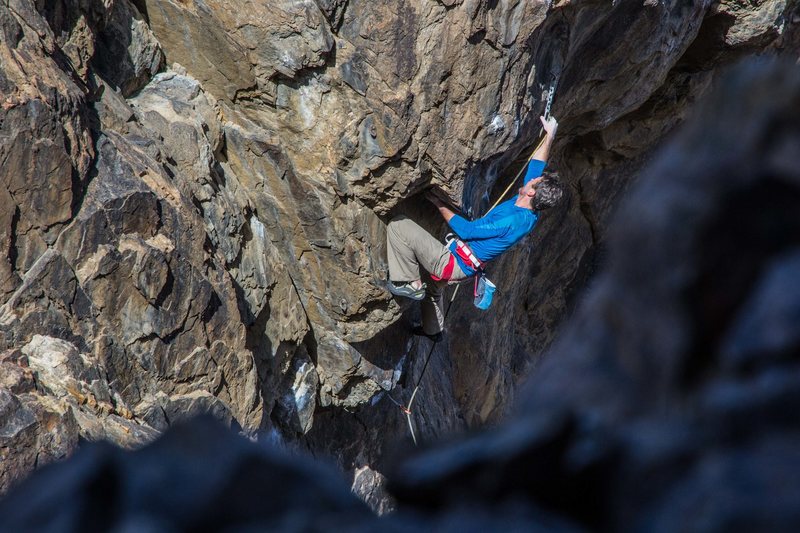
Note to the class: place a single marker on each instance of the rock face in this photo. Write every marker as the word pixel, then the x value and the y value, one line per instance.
pixel 209 236
pixel 669 402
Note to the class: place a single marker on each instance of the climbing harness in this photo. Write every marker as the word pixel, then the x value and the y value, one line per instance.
pixel 463 251
pixel 484 289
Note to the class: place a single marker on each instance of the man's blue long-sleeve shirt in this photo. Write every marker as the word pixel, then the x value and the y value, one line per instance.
pixel 502 228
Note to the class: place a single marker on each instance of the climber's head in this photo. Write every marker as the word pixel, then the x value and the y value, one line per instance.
pixel 548 192
pixel 544 191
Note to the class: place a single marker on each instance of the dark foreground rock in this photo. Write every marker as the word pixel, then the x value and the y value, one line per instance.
pixel 670 402
pixel 198 477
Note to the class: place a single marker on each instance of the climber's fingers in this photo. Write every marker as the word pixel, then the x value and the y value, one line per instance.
pixel 549 124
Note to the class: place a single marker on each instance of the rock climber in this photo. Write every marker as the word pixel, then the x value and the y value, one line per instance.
pixel 476 242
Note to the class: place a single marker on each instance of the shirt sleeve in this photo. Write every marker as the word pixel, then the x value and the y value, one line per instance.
pixel 477 229
pixel 535 169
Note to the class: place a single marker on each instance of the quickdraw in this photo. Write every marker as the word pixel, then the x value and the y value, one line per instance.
pixel 549 103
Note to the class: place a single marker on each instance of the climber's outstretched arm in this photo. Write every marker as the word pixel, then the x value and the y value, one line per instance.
pixel 538 159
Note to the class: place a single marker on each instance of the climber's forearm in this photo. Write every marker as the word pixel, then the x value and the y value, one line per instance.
pixel 542 151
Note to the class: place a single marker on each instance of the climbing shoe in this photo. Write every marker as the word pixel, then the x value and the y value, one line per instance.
pixel 417 330
pixel 407 290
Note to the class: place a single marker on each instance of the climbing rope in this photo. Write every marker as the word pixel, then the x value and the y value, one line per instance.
pixel 407 408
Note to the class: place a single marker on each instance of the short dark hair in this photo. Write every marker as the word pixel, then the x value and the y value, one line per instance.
pixel 548 192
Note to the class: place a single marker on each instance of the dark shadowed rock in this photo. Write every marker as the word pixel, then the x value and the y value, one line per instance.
pixel 111 38
pixel 23 444
pixel 127 53
pixel 198 477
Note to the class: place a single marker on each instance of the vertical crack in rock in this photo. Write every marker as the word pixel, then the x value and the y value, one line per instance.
pixel 13 253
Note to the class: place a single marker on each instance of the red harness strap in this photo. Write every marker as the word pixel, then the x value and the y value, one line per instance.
pixel 465 253
pixel 447 271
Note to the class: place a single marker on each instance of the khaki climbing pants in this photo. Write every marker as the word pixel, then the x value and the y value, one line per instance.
pixel 410 247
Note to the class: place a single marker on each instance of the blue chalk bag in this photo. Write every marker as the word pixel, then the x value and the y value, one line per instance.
pixel 484 291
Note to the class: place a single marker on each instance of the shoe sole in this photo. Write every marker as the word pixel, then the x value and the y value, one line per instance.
pixel 406 293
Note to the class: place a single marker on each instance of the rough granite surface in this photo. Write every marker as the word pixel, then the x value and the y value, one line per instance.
pixel 670 401
pixel 193 199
